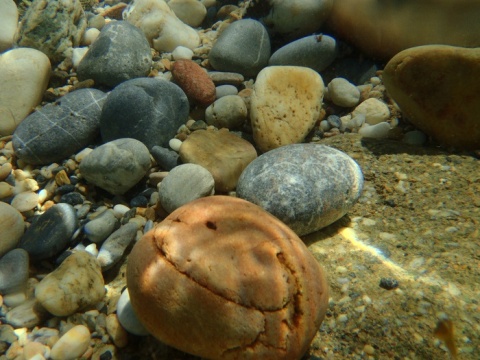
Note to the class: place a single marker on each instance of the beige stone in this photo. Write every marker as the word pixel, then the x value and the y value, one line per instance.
pixel 221 278
pixel 375 111
pixel 24 75
pixel 12 227
pixel 384 28
pixel 222 153
pixel 285 105
pixel 437 89
pixel 8 23
pixel 76 284
pixel 72 344
pixel 163 29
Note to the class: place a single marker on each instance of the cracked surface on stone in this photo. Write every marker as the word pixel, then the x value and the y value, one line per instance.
pixel 222 279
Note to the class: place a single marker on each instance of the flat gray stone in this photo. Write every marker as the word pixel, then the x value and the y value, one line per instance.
pixel 100 228
pixel 307 186
pixel 13 271
pixel 114 247
pixel 121 52
pixel 243 47
pixel 316 52
pixel 60 129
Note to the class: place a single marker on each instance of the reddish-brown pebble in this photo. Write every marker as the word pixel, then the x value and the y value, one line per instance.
pixel 194 81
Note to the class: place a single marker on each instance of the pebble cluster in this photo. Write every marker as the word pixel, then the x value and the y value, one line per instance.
pixel 142 108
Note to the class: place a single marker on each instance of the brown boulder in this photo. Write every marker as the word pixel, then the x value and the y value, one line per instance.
pixel 437 88
pixel 384 28
pixel 221 278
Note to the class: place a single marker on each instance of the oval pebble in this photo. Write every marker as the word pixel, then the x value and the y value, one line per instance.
pixel 377 131
pixel 375 111
pixel 307 186
pixel 25 201
pixel 228 112
pixel 72 344
pixel 127 316
pixel 224 90
pixel 50 233
pixel 113 248
pixel 343 93
pixel 100 227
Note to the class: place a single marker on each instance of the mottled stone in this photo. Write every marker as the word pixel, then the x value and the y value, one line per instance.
pixel 163 29
pixel 194 81
pixel 24 75
pixel 183 184
pixel 435 87
pixel 223 154
pixel 384 28
pixel 12 225
pixel 26 315
pixel 316 52
pixel 121 52
pixel 307 186
pixel 117 165
pixel 285 105
pixel 243 47
pixel 50 233
pixel 149 110
pixel 53 27
pixel 75 285
pixel 60 129
pixel 255 289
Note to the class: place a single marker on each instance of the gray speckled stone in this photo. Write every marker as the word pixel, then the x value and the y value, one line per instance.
pixel 117 165
pixel 149 110
pixel 121 52
pixel 243 47
pixel 307 186
pixel 60 129
pixel 113 248
pixel 13 271
pixel 316 52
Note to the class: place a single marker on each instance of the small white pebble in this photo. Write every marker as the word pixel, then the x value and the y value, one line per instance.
pixel 175 144
pixel 90 36
pixel 119 210
pixel 92 249
pixel 182 52
pixel 324 125
pixel 78 54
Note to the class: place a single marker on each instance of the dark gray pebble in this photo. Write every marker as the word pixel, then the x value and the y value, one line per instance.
pixel 149 110
pixel 165 158
pixel 59 129
pixel 13 271
pixel 50 233
pixel 72 198
pixel 139 201
pixel 388 283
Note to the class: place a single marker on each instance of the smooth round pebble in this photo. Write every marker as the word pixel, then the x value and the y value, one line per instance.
pixel 377 131
pixel 100 228
pixel 8 24
pixel 175 144
pixel 191 12
pixel 228 112
pixel 375 111
pixel 90 36
pixel 307 186
pixel 343 93
pixel 182 52
pixel 72 345
pixel 183 184
pixel 224 90
pixel 114 247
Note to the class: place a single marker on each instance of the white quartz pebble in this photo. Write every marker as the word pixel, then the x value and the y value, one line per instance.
pixel 343 93
pixel 182 52
pixel 377 131
pixel 12 227
pixel 175 144
pixel 90 36
pixel 72 344
pixel 78 54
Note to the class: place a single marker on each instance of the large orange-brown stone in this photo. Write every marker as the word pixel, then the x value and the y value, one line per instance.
pixel 384 28
pixel 437 88
pixel 222 279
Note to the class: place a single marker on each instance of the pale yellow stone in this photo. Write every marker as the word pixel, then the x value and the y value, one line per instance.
pixel 6 190
pixel 24 75
pixel 8 23
pixel 76 284
pixel 72 344
pixel 116 331
pixel 25 201
pixel 5 170
pixel 285 105
pixel 375 111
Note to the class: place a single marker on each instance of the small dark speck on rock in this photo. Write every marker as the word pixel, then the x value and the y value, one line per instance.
pixel 388 283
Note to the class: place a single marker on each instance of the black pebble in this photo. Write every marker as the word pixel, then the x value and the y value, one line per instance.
pixel 139 201
pixel 72 198
pixel 388 283
pixel 64 189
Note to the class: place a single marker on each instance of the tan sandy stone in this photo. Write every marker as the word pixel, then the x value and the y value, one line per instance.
pixel 437 87
pixel 285 105
pixel 222 153
pixel 221 278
